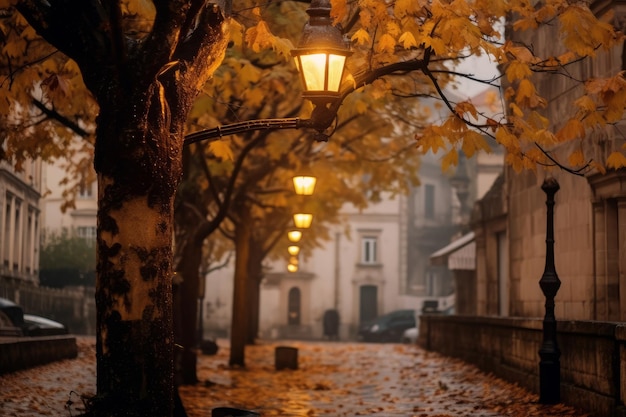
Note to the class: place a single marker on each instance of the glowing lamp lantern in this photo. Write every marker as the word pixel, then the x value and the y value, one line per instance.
pixel 294 260
pixel 321 55
pixel 304 184
pixel 293 250
pixel 302 220
pixel 294 236
pixel 292 268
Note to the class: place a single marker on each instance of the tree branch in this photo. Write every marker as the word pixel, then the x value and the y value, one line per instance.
pixel 53 114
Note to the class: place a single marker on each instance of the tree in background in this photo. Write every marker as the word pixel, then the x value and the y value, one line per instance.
pixel 67 260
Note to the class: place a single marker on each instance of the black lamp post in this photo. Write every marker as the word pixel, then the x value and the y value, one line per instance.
pixel 320 59
pixel 549 365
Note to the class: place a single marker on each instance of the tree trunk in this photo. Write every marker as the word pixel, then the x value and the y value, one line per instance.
pixel 189 291
pixel 239 325
pixel 255 265
pixel 136 183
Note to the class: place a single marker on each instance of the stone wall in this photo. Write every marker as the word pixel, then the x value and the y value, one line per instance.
pixel 592 377
pixel 26 352
pixel 76 308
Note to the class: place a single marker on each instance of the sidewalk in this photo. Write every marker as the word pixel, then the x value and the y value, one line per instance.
pixel 334 379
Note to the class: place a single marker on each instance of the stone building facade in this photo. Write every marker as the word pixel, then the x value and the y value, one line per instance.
pixel 502 331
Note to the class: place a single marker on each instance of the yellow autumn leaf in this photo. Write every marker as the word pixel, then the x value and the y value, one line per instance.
pixel 338 11
pixel 254 96
pixel 403 8
pixel 236 33
pixel 466 107
pixel 516 110
pixel 616 160
pixel 451 158
pixel 573 129
pixel 221 149
pixel 472 142
pixel 525 92
pixel 585 103
pixel 408 40
pixel 517 70
pixel 437 44
pixel 506 138
pixel 577 158
pixel 515 161
pixel 393 29
pixel 361 37
pixel 259 37
pixel 386 44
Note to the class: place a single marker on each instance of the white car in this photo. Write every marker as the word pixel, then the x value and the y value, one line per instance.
pixel 410 335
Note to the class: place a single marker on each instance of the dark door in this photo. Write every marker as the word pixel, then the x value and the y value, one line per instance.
pixel 293 307
pixel 368 308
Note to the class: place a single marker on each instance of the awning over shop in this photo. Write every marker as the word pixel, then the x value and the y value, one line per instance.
pixel 459 254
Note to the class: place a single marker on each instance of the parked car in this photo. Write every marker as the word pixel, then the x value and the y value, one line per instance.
pixel 389 327
pixel 13 322
pixel 410 335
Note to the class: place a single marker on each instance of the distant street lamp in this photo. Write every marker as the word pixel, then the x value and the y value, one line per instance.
pixel 294 236
pixel 304 184
pixel 292 268
pixel 549 365
pixel 302 220
pixel 293 250
pixel 320 58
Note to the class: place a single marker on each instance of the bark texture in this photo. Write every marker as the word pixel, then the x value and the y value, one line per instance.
pixel 145 87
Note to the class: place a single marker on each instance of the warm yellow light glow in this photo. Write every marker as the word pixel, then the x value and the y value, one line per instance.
pixel 292 268
pixel 314 71
pixel 294 260
pixel 293 250
pixel 294 235
pixel 335 71
pixel 304 184
pixel 302 220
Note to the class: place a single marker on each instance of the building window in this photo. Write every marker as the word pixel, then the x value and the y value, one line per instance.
pixel 85 191
pixel 87 232
pixel 369 250
pixel 429 201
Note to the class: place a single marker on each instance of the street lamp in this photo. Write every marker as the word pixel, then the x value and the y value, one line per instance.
pixel 321 55
pixel 292 268
pixel 320 59
pixel 549 365
pixel 293 250
pixel 294 236
pixel 304 184
pixel 302 220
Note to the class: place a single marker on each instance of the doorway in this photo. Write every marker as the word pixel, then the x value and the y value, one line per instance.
pixel 368 303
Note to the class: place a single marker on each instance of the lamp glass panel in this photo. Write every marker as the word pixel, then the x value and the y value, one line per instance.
pixel 293 250
pixel 292 268
pixel 302 220
pixel 304 185
pixel 335 71
pixel 314 71
pixel 294 235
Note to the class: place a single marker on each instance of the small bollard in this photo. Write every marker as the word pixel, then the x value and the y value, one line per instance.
pixel 232 412
pixel 286 357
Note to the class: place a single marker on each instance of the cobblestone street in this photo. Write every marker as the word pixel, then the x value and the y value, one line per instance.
pixel 332 379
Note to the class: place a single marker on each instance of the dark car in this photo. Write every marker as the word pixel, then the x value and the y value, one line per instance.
pixel 13 322
pixel 389 327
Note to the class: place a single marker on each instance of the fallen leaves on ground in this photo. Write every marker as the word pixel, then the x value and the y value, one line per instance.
pixel 333 379
pixel 358 379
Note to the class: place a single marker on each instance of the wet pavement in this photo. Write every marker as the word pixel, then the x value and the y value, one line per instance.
pixel 332 379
